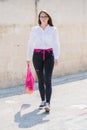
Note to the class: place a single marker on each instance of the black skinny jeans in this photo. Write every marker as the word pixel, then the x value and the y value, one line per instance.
pixel 44 69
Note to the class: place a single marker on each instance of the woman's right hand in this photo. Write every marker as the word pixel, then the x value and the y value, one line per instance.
pixel 28 62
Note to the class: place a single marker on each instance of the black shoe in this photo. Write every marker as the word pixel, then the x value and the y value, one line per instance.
pixel 42 105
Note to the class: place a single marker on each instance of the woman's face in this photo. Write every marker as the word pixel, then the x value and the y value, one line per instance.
pixel 44 18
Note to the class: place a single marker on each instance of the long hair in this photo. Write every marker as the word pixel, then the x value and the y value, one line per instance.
pixel 49 21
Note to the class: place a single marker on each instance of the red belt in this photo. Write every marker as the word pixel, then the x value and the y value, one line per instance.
pixel 43 51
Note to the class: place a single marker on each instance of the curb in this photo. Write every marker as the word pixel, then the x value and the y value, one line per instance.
pixel 18 90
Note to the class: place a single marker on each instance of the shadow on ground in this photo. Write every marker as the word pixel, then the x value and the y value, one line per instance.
pixel 30 119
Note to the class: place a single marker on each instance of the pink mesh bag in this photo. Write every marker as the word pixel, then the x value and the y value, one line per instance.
pixel 29 82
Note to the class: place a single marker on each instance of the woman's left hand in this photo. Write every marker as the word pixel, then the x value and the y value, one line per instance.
pixel 56 62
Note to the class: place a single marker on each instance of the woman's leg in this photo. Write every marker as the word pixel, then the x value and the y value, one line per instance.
pixel 49 64
pixel 38 65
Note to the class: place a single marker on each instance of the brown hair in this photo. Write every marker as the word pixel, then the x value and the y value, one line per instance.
pixel 49 21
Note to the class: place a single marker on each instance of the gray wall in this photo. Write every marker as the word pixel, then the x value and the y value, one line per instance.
pixel 16 19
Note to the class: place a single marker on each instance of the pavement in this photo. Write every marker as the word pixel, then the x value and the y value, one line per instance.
pixel 19 111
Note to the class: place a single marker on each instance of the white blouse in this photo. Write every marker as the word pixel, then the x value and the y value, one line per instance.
pixel 43 39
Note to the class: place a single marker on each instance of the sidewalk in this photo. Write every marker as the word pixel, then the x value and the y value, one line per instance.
pixel 68 107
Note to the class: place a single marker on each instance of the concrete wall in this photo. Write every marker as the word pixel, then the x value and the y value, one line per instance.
pixel 16 19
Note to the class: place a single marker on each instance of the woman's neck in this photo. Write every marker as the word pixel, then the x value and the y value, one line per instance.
pixel 43 26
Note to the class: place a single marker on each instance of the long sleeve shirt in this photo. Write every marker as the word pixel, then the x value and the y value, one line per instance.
pixel 43 39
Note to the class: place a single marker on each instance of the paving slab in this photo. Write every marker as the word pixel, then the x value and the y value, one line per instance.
pixel 68 109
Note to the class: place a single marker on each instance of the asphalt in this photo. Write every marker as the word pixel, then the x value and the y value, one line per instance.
pixel 19 111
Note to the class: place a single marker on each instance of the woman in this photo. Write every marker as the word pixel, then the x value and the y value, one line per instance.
pixel 44 45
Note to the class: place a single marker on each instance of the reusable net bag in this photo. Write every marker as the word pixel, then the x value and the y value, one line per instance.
pixel 29 83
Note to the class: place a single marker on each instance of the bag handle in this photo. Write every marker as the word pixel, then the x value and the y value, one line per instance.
pixel 28 68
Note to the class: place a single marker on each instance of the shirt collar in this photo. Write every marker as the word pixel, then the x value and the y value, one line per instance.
pixel 45 27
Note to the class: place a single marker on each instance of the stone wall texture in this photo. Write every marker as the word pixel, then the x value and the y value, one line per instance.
pixel 16 19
